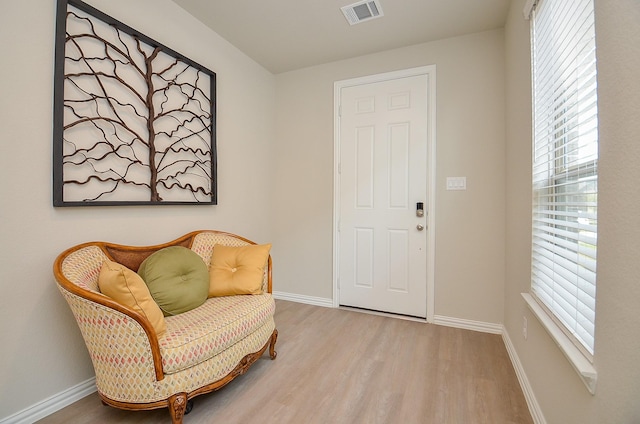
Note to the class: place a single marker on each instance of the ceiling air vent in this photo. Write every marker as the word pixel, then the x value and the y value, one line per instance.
pixel 362 11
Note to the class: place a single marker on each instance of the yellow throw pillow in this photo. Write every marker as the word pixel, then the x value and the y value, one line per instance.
pixel 237 270
pixel 128 288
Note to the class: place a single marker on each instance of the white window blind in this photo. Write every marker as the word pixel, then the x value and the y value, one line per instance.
pixel 565 159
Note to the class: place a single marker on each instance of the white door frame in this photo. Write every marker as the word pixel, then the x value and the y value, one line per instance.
pixel 430 72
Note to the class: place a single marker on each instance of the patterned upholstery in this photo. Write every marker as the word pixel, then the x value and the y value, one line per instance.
pixel 201 333
pixel 82 267
pixel 120 372
pixel 201 347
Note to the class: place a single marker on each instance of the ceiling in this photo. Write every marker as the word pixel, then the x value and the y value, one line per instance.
pixel 284 35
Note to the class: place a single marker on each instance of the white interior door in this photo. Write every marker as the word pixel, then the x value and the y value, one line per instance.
pixel 383 171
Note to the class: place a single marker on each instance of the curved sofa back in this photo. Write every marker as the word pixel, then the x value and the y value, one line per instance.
pixel 78 267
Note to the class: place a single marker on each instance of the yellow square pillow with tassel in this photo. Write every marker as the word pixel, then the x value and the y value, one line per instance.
pixel 237 270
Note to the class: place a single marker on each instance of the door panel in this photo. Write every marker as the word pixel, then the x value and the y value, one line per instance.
pixel 382 258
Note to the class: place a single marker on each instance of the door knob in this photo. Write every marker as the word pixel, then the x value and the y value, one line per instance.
pixel 420 227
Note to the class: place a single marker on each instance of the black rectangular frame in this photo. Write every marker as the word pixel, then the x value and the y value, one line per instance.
pixel 199 165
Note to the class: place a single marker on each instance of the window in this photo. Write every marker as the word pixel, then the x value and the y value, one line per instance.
pixel 565 166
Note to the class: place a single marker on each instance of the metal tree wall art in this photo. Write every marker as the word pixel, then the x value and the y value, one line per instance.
pixel 134 121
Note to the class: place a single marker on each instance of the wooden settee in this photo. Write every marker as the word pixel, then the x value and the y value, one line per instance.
pixel 201 350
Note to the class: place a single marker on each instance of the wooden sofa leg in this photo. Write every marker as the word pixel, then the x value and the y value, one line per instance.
pixel 272 345
pixel 177 406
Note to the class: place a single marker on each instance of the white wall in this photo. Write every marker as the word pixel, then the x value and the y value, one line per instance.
pixel 469 269
pixel 562 396
pixel 41 352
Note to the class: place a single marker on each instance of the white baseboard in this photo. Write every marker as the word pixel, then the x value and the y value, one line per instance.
pixel 467 324
pixel 50 405
pixel 484 327
pixel 300 298
pixel 527 390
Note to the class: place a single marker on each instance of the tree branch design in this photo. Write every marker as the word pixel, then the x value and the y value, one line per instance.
pixel 138 122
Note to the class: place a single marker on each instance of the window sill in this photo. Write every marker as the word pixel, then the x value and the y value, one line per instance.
pixel 580 363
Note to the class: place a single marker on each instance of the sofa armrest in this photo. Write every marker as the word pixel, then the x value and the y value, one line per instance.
pixel 76 272
pixel 106 326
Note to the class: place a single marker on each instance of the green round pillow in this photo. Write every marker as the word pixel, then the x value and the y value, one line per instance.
pixel 178 279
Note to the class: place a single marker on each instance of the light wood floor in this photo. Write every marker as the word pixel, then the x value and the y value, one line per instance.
pixel 339 366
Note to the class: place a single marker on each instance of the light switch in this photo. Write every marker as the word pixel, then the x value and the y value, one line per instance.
pixel 456 183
